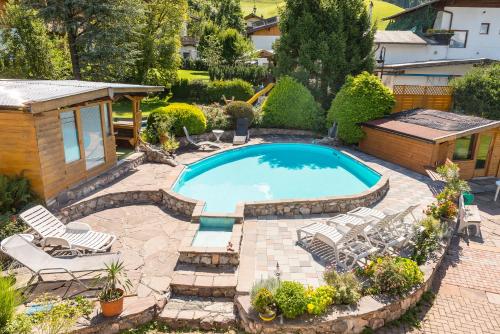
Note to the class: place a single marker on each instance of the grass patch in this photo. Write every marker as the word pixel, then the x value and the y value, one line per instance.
pixel 122 153
pixel 123 107
pixel 193 75
pixel 269 8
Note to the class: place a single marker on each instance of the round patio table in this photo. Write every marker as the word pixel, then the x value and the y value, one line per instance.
pixel 218 134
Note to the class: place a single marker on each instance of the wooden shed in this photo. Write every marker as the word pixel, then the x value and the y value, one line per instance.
pixel 422 139
pixel 60 133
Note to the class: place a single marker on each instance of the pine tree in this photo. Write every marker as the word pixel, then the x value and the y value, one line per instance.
pixel 323 41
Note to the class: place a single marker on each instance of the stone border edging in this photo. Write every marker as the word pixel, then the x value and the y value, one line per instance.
pixel 343 319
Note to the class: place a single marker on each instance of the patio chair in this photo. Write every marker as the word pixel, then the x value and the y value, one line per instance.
pixel 203 145
pixel 364 212
pixel 74 235
pixel 468 215
pixel 41 263
pixel 241 134
pixel 342 239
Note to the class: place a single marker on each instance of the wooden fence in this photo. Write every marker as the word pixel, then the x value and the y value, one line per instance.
pixel 430 97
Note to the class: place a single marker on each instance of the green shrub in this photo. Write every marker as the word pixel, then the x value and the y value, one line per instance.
pixel 290 299
pixel 263 301
pixel 290 105
pixel 10 225
pixel 9 299
pixel 15 193
pixel 239 109
pixel 251 73
pixel 347 286
pixel 216 117
pixel 270 284
pixel 393 276
pixel 362 98
pixel 427 240
pixel 319 299
pixel 237 89
pixel 179 115
pixel 477 92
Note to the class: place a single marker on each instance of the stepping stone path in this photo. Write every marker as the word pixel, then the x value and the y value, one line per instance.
pixel 195 312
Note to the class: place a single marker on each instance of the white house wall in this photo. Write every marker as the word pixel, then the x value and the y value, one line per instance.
pixel 478 45
pixel 409 53
pixel 263 42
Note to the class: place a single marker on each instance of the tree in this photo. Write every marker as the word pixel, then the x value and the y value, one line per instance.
pixel 324 41
pixel 99 34
pixel 478 92
pixel 225 14
pixel 361 99
pixel 27 51
pixel 159 41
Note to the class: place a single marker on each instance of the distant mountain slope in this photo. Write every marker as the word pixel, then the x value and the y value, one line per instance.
pixel 268 8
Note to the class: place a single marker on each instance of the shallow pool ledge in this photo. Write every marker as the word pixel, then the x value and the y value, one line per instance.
pixel 329 204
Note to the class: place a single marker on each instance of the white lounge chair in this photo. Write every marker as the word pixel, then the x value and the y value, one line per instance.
pixel 74 235
pixel 342 239
pixel 203 145
pixel 364 212
pixel 41 263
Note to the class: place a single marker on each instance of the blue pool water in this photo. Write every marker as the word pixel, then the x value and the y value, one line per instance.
pixel 213 232
pixel 272 172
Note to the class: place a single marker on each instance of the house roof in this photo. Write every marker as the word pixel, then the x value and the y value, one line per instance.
pixel 409 10
pixel 44 95
pixel 431 125
pixel 263 24
pixel 434 63
pixel 252 16
pixel 398 37
pixel 189 41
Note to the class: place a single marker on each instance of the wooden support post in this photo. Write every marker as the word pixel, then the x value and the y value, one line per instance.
pixel 136 117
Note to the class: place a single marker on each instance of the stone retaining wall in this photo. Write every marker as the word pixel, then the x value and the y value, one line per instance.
pixel 162 198
pixel 370 312
pixel 334 204
pixel 84 189
pixel 254 132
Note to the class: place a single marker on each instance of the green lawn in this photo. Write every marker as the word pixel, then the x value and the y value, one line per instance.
pixel 123 107
pixel 269 8
pixel 193 75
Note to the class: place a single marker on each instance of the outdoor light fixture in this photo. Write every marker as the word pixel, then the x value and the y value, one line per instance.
pixel 381 61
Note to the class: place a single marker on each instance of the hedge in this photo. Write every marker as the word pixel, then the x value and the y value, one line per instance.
pixel 208 92
pixel 251 73
pixel 291 105
pixel 179 115
pixel 478 92
pixel 361 99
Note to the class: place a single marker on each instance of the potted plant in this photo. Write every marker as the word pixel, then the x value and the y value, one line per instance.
pixel 263 303
pixel 115 284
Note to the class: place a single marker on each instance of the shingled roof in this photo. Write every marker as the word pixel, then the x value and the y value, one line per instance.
pixel 431 125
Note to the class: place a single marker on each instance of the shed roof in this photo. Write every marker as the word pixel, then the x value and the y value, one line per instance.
pixel 432 125
pixel 398 37
pixel 35 95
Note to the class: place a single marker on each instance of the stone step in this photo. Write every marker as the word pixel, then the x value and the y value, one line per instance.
pixel 190 280
pixel 199 313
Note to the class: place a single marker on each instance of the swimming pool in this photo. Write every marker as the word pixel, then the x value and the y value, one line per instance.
pixel 272 172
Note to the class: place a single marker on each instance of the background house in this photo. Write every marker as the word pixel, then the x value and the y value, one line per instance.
pixel 263 34
pixel 60 133
pixel 423 139
pixel 434 42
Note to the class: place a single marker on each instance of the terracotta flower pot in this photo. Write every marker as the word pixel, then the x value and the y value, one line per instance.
pixel 114 307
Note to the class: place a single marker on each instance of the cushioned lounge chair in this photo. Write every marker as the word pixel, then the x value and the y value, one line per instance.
pixel 203 145
pixel 241 134
pixel 41 263
pixel 74 235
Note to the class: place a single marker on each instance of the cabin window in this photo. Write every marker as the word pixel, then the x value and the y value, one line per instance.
pixel 459 39
pixel 464 148
pixel 485 29
pixel 107 125
pixel 483 150
pixel 92 136
pixel 70 136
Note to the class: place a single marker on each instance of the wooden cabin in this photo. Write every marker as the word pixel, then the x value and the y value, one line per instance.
pixel 422 139
pixel 60 133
